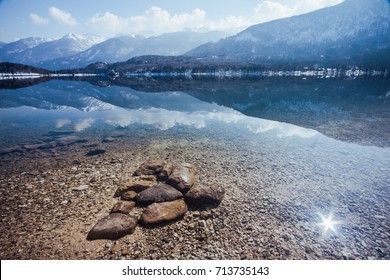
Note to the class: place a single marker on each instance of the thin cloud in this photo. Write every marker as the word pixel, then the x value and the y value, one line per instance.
pixel 62 16
pixel 271 10
pixel 160 20
pixel 108 23
pixel 38 20
pixel 229 23
pixel 154 19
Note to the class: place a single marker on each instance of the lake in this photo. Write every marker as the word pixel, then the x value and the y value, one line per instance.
pixel 304 163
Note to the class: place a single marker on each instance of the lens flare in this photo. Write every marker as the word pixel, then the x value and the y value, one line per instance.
pixel 328 223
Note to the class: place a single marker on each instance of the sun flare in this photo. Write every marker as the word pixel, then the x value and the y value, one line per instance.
pixel 328 223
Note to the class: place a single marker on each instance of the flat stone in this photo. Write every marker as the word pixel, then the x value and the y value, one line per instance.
pixel 112 227
pixel 80 188
pixel 151 178
pixel 123 207
pixel 129 195
pixel 39 146
pixel 91 145
pixel 137 185
pixel 117 134
pixel 159 193
pixel 108 140
pixel 59 132
pixel 163 212
pixel 205 196
pixel 182 177
pixel 69 140
pixel 95 152
pixel 5 151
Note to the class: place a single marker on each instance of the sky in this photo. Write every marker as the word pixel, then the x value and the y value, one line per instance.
pixel 110 18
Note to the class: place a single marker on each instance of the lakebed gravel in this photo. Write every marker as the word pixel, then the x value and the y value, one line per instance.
pixel 275 195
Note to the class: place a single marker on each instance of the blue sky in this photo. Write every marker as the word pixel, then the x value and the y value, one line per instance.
pixel 55 18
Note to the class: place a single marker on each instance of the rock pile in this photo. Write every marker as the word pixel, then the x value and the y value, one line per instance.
pixel 167 192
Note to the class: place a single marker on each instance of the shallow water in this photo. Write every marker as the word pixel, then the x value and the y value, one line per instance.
pixel 310 175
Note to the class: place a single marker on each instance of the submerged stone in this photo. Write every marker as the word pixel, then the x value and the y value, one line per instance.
pixel 159 193
pixel 95 152
pixel 205 196
pixel 163 212
pixel 112 227
pixel 69 140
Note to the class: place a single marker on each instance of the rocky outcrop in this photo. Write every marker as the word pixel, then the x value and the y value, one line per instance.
pixel 182 177
pixel 159 193
pixel 114 226
pixel 166 199
pixel 163 212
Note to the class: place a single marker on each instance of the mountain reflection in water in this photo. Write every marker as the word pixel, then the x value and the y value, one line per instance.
pixel 348 110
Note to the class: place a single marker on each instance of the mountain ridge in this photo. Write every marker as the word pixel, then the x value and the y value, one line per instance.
pixel 334 32
pixel 76 51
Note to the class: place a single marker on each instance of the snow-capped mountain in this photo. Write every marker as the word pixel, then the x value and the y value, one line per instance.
pixel 76 51
pixel 354 27
pixel 37 50
pixel 111 50
pixel 126 47
pixel 10 49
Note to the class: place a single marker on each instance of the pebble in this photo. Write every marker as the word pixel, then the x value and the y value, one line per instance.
pixel 80 188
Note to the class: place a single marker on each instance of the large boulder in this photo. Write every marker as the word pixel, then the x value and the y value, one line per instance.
pixel 137 184
pixel 182 177
pixel 112 227
pixel 159 193
pixel 201 196
pixel 163 212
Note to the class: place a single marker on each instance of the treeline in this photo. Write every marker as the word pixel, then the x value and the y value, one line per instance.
pixel 8 67
pixel 191 65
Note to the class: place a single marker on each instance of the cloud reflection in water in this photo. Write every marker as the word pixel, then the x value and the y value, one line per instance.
pixel 165 119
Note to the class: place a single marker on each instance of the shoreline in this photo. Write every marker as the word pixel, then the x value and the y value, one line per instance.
pixel 268 211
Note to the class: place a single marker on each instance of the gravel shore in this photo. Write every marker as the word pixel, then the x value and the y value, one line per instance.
pixel 276 191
